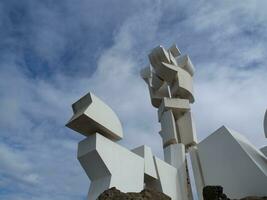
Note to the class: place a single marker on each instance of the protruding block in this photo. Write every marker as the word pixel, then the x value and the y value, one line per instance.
pixel 156 82
pixel 167 72
pixel 182 86
pixel 146 74
pixel 91 115
pixel 169 182
pixel 176 105
pixel 156 96
pixel 197 171
pixel 174 50
pixel 265 124
pixel 174 154
pixel 146 153
pixel 184 62
pixel 186 129
pixel 108 164
pixel 158 55
pixel 168 129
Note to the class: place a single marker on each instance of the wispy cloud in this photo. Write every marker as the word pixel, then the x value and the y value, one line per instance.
pixel 54 52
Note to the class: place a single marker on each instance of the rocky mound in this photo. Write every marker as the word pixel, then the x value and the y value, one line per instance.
pixel 216 193
pixel 209 193
pixel 146 194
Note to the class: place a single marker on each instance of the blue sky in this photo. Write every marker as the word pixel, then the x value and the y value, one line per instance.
pixel 53 52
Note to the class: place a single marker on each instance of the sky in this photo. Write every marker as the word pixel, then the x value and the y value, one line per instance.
pixel 54 52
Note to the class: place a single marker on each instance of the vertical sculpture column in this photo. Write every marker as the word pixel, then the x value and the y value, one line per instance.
pixel 170 81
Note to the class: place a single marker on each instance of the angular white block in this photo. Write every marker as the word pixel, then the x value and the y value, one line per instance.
pixel 174 50
pixel 146 153
pixel 91 115
pixel 186 129
pixel 156 82
pixel 167 72
pixel 158 55
pixel 174 155
pixel 176 105
pixel 184 62
pixel 265 124
pixel 156 96
pixel 108 164
pixel 183 85
pixel 197 171
pixel 146 74
pixel 228 159
pixel 264 150
pixel 168 177
pixel 168 129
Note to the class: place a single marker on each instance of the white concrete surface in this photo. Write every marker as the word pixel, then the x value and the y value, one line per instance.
pixel 149 165
pixel 182 86
pixel 186 128
pixel 90 115
pixel 108 164
pixel 230 160
pixel 168 129
pixel 178 106
pixel 174 155
pixel 197 171
pixel 168 177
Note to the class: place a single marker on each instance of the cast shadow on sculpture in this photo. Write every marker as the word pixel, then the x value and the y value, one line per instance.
pixel 215 160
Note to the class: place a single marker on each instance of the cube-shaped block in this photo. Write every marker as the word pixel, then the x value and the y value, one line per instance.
pixel 176 105
pixel 91 115
pixel 182 86
pixel 186 129
pixel 168 129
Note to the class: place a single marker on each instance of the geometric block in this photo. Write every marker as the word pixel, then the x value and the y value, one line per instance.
pixel 157 95
pixel 186 129
pixel 197 171
pixel 265 124
pixel 168 129
pixel 228 159
pixel 185 63
pixel 146 74
pixel 166 71
pixel 146 153
pixel 169 182
pixel 174 155
pixel 178 106
pixel 156 82
pixel 108 164
pixel 90 115
pixel 174 50
pixel 183 85
pixel 158 55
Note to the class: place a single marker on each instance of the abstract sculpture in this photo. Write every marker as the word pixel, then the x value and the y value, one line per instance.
pixel 215 160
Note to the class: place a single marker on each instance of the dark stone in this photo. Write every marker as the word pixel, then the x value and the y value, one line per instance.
pixel 146 194
pixel 216 193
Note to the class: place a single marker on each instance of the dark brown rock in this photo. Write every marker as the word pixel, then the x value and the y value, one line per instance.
pixel 146 194
pixel 216 193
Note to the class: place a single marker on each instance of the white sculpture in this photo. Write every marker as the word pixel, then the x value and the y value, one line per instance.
pixel 108 164
pixel 215 161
